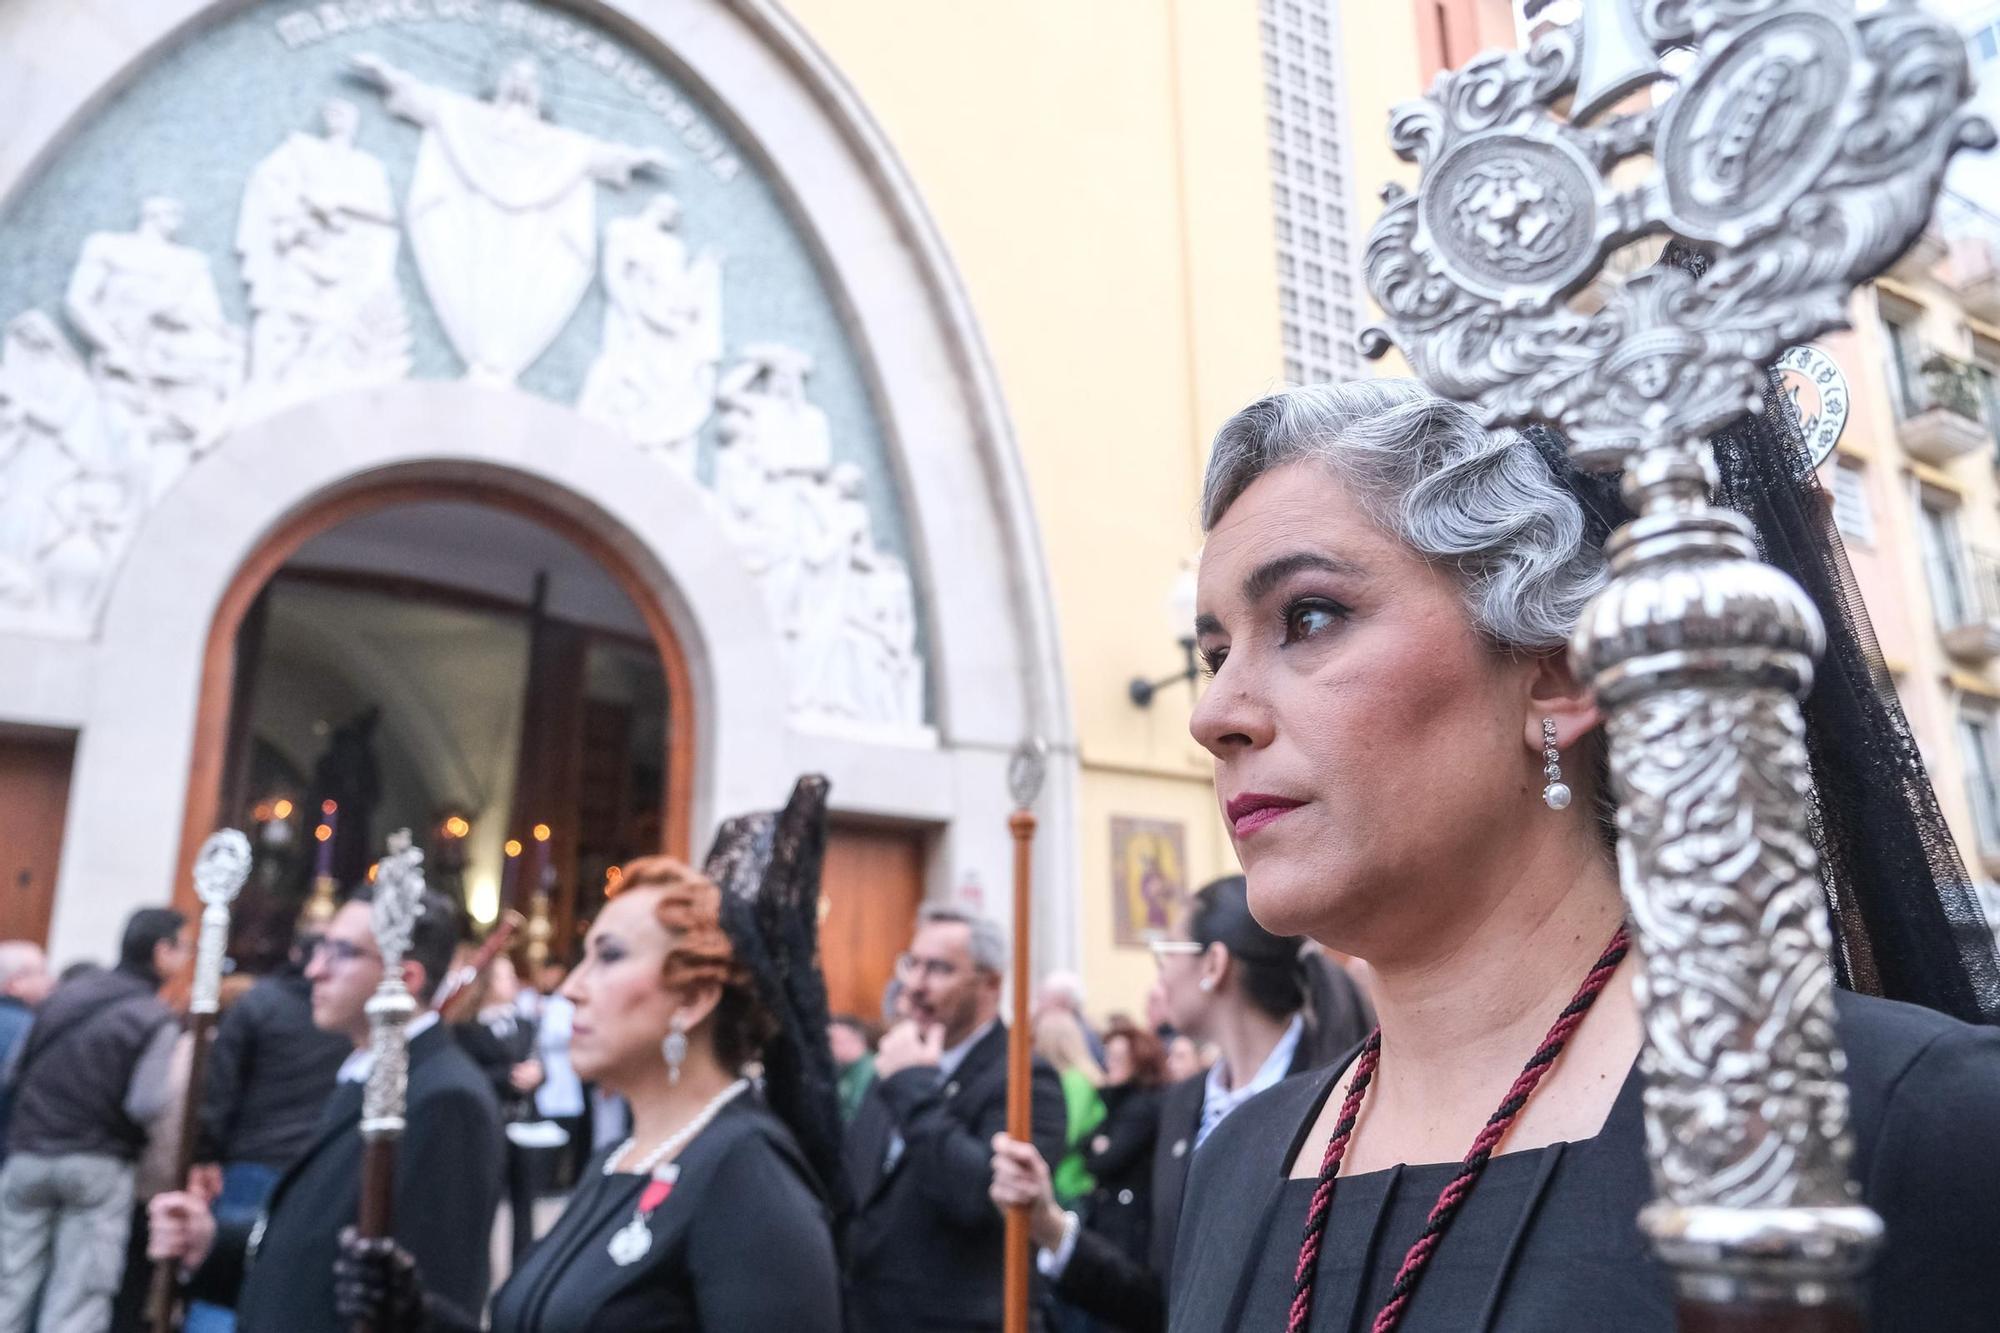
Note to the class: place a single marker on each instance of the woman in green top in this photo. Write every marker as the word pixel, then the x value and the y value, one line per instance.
pixel 1059 1040
pixel 853 1047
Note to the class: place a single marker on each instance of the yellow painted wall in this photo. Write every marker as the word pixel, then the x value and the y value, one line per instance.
pixel 1099 173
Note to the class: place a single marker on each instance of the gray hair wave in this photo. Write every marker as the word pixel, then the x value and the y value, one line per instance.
pixel 1480 503
pixel 988 946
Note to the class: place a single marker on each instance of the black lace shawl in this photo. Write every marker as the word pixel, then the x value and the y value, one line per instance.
pixel 767 866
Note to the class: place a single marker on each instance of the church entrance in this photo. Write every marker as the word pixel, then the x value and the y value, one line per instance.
pixel 463 671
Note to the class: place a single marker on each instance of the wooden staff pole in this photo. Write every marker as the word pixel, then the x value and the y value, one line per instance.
pixel 1024 776
pixel 1020 1070
pixel 219 873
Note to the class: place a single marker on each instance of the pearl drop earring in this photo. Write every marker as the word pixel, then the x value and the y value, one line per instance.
pixel 674 1050
pixel 1556 794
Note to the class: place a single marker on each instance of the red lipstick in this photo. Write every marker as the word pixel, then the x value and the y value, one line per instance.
pixel 1254 809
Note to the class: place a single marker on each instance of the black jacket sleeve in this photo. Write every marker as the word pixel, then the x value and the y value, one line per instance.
pixel 1104 1281
pixel 453 1139
pixel 954 1164
pixel 763 1209
pixel 229 1057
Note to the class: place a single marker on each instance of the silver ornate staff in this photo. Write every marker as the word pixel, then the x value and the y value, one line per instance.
pixel 398 902
pixel 1800 152
pixel 219 873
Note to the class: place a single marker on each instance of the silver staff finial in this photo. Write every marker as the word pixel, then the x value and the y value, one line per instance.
pixel 1026 770
pixel 399 897
pixel 398 902
pixel 220 870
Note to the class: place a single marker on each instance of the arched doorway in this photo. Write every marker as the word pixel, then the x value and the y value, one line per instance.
pixel 460 660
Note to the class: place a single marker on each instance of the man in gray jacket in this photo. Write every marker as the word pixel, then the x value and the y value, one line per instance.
pixel 92 1072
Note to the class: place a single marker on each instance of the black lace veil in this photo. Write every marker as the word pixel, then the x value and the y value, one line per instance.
pixel 767 866
pixel 1907 921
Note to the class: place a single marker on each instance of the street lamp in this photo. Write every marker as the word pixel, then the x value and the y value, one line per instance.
pixel 1180 615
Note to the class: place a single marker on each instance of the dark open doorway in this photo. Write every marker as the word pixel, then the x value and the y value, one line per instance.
pixel 462 671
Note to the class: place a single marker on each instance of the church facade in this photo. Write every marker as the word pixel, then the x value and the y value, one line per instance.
pixel 554 426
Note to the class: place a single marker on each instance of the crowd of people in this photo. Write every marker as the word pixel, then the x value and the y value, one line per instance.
pixel 650 1033
pixel 1279 1142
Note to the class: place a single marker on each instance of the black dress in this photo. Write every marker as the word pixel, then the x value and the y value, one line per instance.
pixel 1548 1240
pixel 742 1242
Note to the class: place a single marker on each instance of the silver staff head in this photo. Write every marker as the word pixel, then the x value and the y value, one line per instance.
pixel 1801 149
pixel 1027 768
pixel 220 869
pixel 398 902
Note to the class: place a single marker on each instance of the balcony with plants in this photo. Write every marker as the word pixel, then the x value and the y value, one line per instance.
pixel 1942 418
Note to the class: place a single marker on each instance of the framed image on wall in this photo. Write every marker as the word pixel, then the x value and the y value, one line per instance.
pixel 1148 879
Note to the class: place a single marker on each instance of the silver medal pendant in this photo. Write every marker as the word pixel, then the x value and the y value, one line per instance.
pixel 630 1242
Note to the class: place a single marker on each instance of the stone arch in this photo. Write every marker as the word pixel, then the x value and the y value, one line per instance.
pixel 165 659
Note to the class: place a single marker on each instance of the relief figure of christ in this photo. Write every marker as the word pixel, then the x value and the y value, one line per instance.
pixel 502 211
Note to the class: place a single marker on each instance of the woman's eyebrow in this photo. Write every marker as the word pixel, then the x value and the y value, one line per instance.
pixel 1279 568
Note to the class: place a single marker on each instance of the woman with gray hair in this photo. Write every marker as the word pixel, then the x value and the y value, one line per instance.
pixel 1411 774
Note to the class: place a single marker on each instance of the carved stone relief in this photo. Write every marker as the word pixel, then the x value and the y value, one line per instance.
pixel 167 362
pixel 64 496
pixel 655 377
pixel 98 420
pixel 498 190
pixel 318 241
pixel 844 610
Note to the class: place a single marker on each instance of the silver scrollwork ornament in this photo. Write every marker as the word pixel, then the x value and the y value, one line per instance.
pixel 398 902
pixel 1799 152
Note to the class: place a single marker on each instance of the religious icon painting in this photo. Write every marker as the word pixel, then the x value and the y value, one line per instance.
pixel 1148 879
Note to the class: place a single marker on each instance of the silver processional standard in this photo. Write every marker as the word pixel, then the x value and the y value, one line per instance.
pixel 1798 149
pixel 398 902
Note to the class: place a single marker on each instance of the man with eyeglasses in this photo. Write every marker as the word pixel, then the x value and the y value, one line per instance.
pixel 924 1246
pixel 278 1274
pixel 270 1070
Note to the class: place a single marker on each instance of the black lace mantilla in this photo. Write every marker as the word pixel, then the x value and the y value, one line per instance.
pixel 768 867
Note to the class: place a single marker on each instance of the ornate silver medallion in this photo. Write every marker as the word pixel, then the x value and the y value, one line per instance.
pixel 630 1242
pixel 1818 391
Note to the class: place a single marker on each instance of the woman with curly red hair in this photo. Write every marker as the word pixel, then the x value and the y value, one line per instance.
pixel 713 1216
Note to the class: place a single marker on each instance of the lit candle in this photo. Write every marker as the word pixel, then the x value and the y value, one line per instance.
pixel 538 882
pixel 510 873
pixel 331 812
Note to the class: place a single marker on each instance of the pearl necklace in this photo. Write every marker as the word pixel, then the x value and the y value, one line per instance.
pixel 630 1242
pixel 679 1139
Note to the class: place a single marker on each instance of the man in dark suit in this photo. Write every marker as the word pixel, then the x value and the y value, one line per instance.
pixel 924 1246
pixel 279 1273
pixel 1231 982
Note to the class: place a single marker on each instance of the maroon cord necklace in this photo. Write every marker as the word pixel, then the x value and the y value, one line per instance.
pixel 1454 1194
